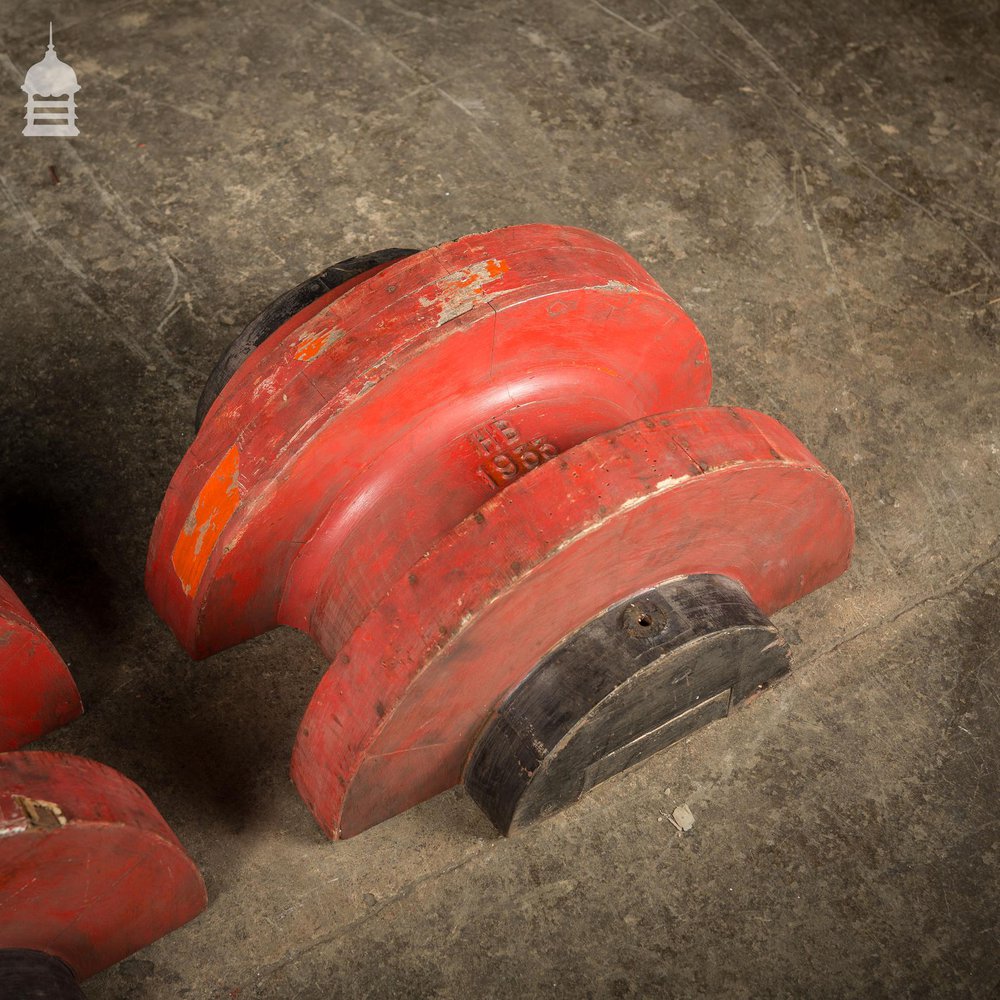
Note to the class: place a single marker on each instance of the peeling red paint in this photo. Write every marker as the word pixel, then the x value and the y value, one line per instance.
pixel 312 343
pixel 462 290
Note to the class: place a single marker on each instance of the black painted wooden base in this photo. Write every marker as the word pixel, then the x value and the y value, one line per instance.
pixel 636 679
pixel 32 975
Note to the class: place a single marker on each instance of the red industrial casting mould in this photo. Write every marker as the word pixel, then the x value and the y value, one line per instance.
pixel 485 479
pixel 409 400
pixel 90 873
pixel 37 693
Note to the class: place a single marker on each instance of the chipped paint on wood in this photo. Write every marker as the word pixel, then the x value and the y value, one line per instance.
pixel 616 286
pixel 463 290
pixel 216 503
pixel 313 343
pixel 40 814
pixel 12 816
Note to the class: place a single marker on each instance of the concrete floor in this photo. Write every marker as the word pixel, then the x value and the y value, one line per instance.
pixel 818 186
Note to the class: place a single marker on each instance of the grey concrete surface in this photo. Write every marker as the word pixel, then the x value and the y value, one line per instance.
pixel 818 186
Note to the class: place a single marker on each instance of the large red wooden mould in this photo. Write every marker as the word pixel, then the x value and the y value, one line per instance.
pixel 363 475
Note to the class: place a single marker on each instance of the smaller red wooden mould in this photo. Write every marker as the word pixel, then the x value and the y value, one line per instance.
pixel 89 873
pixel 486 479
pixel 37 693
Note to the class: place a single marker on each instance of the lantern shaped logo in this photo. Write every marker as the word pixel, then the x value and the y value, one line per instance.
pixel 50 78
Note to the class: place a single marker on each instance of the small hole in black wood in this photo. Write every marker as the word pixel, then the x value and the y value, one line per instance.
pixel 645 621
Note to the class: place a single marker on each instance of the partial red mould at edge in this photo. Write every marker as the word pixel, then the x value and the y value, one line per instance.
pixel 91 872
pixel 37 693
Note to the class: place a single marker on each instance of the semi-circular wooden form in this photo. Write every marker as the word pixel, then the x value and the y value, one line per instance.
pixel 718 491
pixel 37 693
pixel 343 448
pixel 89 871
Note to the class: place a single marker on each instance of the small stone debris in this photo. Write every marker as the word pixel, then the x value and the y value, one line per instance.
pixel 682 818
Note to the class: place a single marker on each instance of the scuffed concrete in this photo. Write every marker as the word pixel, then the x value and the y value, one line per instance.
pixel 818 186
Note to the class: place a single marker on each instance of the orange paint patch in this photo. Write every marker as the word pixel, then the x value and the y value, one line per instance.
pixel 477 275
pixel 313 343
pixel 218 499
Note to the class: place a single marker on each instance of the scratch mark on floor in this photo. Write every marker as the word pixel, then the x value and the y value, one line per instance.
pixel 382 47
pixel 814 120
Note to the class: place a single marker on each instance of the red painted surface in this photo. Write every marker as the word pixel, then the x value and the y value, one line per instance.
pixel 110 881
pixel 701 491
pixel 37 693
pixel 345 446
